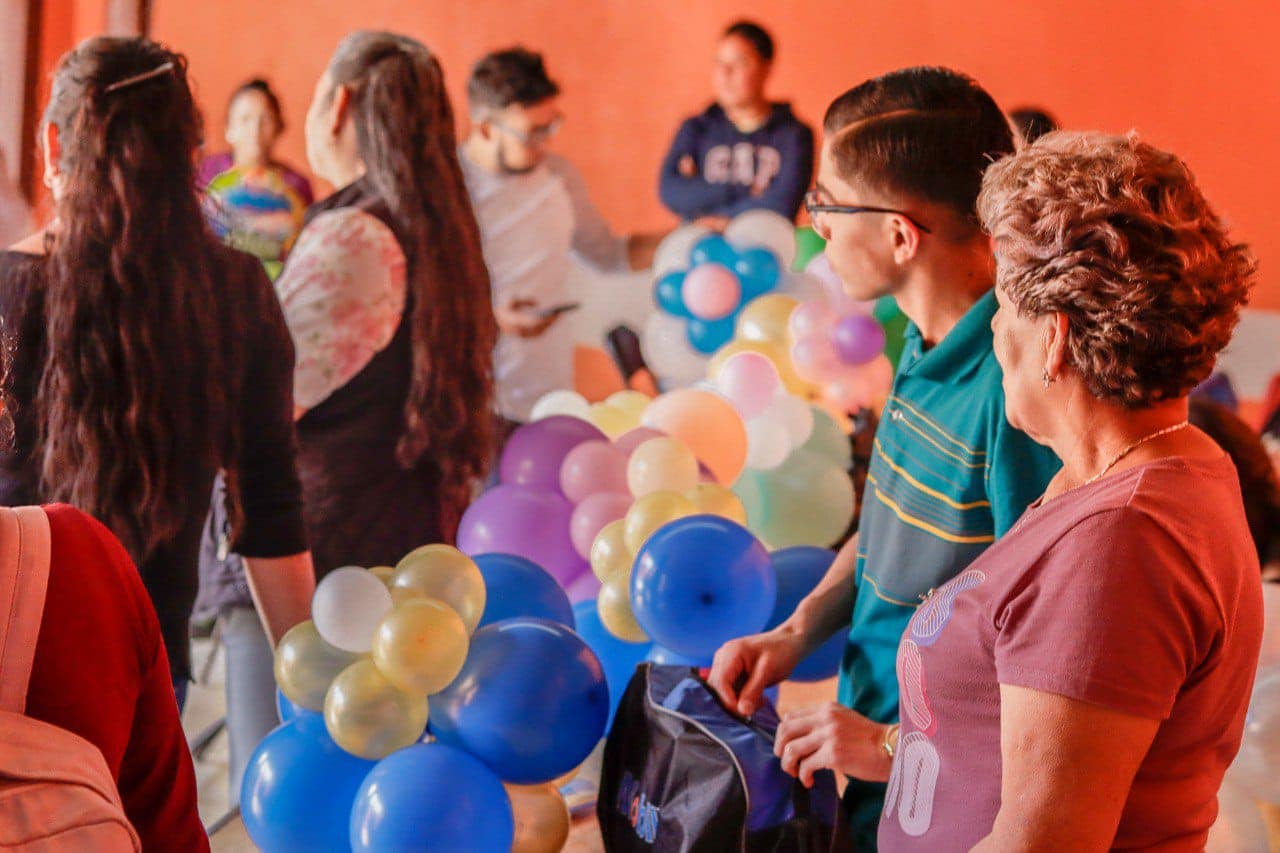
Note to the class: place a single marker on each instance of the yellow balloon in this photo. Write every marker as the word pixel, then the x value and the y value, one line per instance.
pixel 443 572
pixel 661 465
pixel 632 403
pixel 369 716
pixel 542 818
pixel 765 318
pixel 609 554
pixel 611 421
pixel 651 512
pixel 717 500
pixel 305 665
pixel 384 573
pixel 614 605
pixel 776 353
pixel 420 646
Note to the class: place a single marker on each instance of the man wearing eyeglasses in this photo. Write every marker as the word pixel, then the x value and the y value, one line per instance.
pixel 898 180
pixel 534 212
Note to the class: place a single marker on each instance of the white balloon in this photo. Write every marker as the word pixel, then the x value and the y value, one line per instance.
pixel 764 228
pixel 560 402
pixel 1270 654
pixel 673 252
pixel 667 351
pixel 794 415
pixel 768 444
pixel 347 606
pixel 1239 827
pixel 802 286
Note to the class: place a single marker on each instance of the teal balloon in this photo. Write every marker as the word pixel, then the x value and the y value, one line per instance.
pixel 668 293
pixel 828 440
pixel 431 796
pixel 713 249
pixel 707 336
pixel 808 246
pixel 758 270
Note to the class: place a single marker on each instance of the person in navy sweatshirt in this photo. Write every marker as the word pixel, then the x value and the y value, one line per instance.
pixel 743 151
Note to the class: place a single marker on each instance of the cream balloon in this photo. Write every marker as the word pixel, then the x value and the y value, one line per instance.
pixel 609 553
pixel 651 512
pixel 766 319
pixel 632 403
pixel 668 353
pixel 673 252
pixel 421 645
pixel 661 465
pixel 614 605
pixel 717 500
pixel 542 818
pixel 346 607
pixel 761 227
pixel 305 665
pixel 560 402
pixel 610 420
pixel 444 572
pixel 383 573
pixel 370 717
pixel 768 444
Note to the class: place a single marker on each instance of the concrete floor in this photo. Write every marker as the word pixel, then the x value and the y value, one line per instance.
pixel 205 705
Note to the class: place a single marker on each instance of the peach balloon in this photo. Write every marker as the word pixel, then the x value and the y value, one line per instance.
pixel 707 424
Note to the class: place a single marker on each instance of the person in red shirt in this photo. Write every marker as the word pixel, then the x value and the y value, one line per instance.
pixel 101 672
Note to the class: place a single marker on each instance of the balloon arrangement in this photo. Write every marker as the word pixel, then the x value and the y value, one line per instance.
pixel 840 354
pixel 703 280
pixel 481 649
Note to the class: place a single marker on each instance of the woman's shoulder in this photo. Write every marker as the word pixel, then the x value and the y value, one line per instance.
pixel 348 241
pixel 20 271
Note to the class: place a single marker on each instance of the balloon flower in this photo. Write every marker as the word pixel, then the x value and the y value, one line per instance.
pixel 841 354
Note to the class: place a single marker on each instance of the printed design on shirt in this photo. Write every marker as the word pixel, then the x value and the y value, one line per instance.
pixel 917 765
pixel 935 613
pixel 742 163
pixel 915 698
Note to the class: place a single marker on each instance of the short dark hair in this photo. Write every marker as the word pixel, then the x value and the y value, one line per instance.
pixel 755 35
pixel 511 76
pixel 263 88
pixel 926 132
pixel 1032 123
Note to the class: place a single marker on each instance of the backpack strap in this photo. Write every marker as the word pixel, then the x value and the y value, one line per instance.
pixel 24 579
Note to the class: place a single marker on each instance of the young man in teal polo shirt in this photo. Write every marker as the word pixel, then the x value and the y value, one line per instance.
pixel 901 166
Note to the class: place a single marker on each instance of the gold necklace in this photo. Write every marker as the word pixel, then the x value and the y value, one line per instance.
pixel 1132 447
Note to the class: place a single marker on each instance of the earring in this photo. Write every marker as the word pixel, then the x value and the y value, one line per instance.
pixel 1046 378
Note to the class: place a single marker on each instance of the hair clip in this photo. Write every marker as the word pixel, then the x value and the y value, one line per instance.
pixel 140 78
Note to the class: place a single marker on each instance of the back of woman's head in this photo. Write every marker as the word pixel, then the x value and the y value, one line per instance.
pixel 130 403
pixel 406 139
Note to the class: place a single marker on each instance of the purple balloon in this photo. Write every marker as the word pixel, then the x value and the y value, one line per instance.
pixel 630 440
pixel 535 451
pixel 585 588
pixel 528 522
pixel 857 338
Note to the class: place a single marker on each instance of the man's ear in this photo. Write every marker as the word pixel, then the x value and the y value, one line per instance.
pixel 905 237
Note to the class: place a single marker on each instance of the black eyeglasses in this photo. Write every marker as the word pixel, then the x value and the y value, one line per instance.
pixel 813 206
pixel 535 136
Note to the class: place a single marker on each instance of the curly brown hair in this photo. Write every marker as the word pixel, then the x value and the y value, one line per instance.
pixel 1115 234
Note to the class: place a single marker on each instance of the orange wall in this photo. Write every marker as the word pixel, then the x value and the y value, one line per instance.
pixel 1196 77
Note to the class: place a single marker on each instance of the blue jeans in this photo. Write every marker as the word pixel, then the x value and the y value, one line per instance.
pixel 250 691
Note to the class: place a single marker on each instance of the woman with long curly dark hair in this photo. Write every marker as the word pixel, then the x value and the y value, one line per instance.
pixel 148 356
pixel 387 298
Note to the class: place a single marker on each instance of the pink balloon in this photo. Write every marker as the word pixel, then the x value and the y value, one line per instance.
pixel 585 588
pixel 593 467
pixel 592 515
pixel 629 441
pixel 811 319
pixel 711 291
pixel 749 380
pixel 815 360
pixel 833 288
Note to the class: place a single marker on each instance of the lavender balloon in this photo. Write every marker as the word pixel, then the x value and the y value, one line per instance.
pixel 857 338
pixel 535 452
pixel 529 522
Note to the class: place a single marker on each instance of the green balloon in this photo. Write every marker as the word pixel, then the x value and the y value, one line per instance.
pixel 808 245
pixel 750 491
pixel 828 440
pixel 894 323
pixel 809 501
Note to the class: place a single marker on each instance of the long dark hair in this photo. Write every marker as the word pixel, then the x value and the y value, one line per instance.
pixel 131 400
pixel 405 136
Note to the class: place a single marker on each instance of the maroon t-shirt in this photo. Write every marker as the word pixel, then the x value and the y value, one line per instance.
pixel 1139 593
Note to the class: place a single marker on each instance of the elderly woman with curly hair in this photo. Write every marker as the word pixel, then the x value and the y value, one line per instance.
pixel 1083 684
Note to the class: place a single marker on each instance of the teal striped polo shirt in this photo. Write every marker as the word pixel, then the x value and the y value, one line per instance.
pixel 947 476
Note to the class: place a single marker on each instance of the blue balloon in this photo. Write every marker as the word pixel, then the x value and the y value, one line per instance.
pixel 516 586
pixel 759 271
pixel 713 249
pixel 299 787
pixel 701 581
pixel 531 701
pixel 618 657
pixel 430 796
pixel 665 657
pixel 799 570
pixel 707 336
pixel 668 293
pixel 286 710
